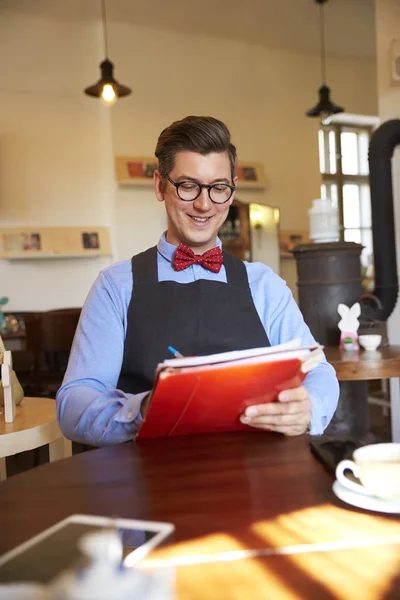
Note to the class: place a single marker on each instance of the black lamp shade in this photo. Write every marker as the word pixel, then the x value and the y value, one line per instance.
pixel 107 77
pixel 324 106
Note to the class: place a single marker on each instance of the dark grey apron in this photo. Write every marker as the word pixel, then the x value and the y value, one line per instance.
pixel 203 317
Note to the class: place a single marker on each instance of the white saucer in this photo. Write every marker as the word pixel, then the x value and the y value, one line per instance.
pixel 364 501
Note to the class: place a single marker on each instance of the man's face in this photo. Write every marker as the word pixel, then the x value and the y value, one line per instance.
pixel 196 223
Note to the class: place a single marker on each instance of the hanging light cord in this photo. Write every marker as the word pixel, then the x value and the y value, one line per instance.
pixel 104 15
pixel 322 31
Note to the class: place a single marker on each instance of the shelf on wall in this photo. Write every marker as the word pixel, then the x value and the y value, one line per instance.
pixel 21 243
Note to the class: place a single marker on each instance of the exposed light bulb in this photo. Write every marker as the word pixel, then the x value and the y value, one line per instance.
pixel 108 95
pixel 326 117
pixel 256 218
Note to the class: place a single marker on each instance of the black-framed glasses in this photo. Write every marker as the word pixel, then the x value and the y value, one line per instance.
pixel 188 191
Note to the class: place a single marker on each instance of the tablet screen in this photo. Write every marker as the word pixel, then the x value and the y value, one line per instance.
pixel 46 558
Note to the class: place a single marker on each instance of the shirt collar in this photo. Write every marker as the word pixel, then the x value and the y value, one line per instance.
pixel 168 250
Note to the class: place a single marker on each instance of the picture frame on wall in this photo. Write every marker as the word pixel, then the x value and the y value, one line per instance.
pixel 289 238
pixel 135 170
pixel 251 175
pixel 21 241
pixel 139 170
pixel 90 240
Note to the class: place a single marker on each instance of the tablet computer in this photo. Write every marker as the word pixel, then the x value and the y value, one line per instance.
pixel 46 555
pixel 331 451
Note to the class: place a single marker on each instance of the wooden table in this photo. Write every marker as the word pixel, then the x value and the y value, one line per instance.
pixel 254 513
pixel 384 363
pixel 35 425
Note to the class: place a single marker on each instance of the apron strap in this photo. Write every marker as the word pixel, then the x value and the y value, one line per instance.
pixel 144 267
pixel 236 272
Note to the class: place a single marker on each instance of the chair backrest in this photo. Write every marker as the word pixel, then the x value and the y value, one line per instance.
pixel 49 336
pixel 58 329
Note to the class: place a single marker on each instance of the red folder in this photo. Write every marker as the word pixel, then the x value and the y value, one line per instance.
pixel 208 397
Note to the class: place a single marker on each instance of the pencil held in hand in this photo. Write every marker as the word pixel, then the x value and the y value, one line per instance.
pixel 175 352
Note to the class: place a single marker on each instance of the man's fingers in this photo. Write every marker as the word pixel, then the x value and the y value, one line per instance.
pixel 271 420
pixel 286 429
pixel 291 415
pixel 274 408
pixel 280 425
pixel 276 420
pixel 295 394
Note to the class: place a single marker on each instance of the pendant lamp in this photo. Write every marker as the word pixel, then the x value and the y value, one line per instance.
pixel 325 108
pixel 107 88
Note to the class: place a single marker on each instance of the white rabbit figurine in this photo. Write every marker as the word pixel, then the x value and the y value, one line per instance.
pixel 349 324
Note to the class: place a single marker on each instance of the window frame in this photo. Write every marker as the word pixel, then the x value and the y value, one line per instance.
pixel 339 178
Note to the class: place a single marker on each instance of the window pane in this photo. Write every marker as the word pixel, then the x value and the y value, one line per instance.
pixel 321 151
pixel 334 196
pixel 329 190
pixel 332 152
pixel 352 235
pixel 365 206
pixel 367 253
pixel 363 146
pixel 351 205
pixel 349 153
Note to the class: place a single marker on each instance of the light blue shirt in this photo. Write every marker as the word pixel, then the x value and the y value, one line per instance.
pixel 89 407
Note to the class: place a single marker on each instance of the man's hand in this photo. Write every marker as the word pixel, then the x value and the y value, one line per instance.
pixel 291 415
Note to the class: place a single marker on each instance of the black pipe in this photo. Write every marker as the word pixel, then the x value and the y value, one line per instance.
pixel 383 143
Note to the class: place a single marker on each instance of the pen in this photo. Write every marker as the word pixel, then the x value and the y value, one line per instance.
pixel 175 352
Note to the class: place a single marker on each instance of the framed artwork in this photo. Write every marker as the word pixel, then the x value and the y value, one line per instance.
pixel 138 170
pixel 135 170
pixel 81 240
pixel 30 242
pixel 251 175
pixel 23 241
pixel 90 240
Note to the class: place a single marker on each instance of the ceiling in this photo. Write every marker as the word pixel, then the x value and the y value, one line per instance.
pixel 291 24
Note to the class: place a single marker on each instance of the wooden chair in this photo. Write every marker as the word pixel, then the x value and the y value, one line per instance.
pixel 35 424
pixel 31 424
pixel 49 336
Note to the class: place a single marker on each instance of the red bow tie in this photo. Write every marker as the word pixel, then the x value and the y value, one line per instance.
pixel 185 257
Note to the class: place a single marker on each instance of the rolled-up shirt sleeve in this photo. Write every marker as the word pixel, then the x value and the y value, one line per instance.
pixel 323 391
pixel 90 408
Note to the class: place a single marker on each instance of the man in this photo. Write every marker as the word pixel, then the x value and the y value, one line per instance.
pixel 171 295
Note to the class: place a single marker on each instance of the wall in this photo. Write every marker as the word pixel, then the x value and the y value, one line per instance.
pixel 56 145
pixel 388 28
pixel 260 93
pixel 55 154
pixel 264 235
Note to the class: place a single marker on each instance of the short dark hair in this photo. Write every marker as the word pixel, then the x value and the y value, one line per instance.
pixel 195 134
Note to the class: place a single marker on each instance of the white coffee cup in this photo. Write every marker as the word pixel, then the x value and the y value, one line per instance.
pixel 377 466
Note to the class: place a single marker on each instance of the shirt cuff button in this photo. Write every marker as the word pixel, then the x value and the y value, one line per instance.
pixel 129 415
